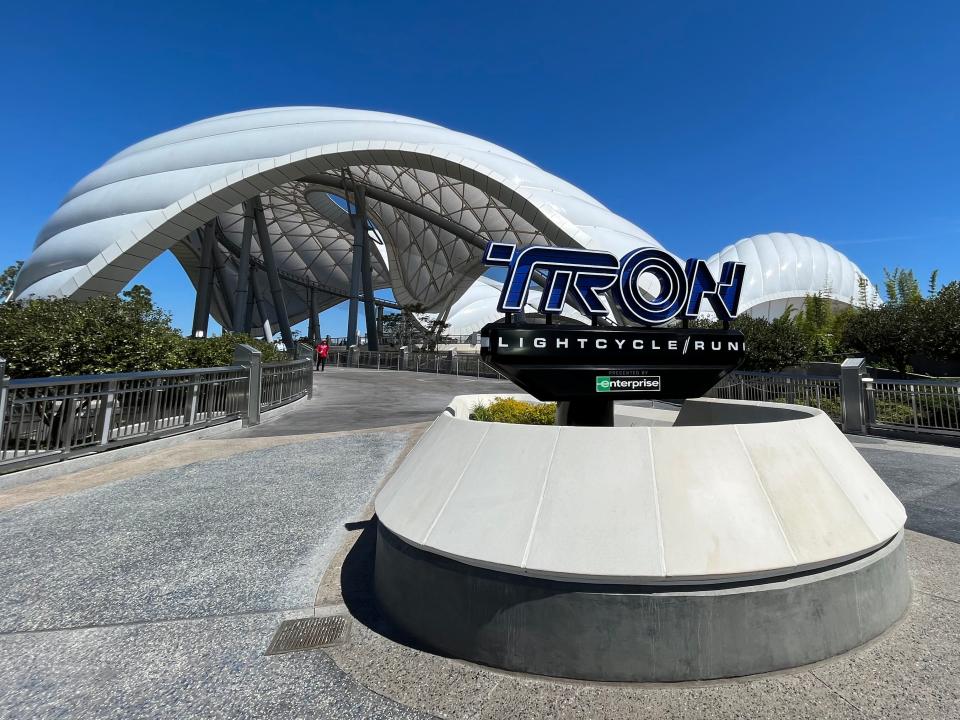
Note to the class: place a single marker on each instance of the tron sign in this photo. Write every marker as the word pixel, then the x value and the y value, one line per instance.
pixel 581 275
pixel 586 368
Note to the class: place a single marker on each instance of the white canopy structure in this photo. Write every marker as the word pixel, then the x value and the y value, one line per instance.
pixel 205 190
pixel 276 214
pixel 784 268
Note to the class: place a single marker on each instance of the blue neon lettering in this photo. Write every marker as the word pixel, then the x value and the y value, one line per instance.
pixel 588 273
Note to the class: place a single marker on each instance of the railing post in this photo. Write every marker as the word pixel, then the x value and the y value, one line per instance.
pixel 869 404
pixel 4 381
pixel 69 416
pixel 105 418
pixel 913 407
pixel 249 357
pixel 154 406
pixel 193 400
pixel 851 395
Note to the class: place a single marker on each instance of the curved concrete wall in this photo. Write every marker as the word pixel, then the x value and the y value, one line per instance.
pixel 712 499
pixel 638 633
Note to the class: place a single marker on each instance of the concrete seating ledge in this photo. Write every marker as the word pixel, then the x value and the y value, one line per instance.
pixel 732 491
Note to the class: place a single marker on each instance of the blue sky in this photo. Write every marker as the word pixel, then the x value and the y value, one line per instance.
pixel 702 123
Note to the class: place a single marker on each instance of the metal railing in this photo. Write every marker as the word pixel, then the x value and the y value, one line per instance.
pixel 917 405
pixel 48 419
pixel 444 363
pixel 810 390
pixel 44 420
pixel 383 360
pixel 283 382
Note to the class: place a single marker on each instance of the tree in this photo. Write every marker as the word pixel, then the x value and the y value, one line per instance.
pixel 770 345
pixel 816 322
pixel 902 286
pixel 217 350
pixel 56 336
pixel 8 278
pixel 939 318
pixel 885 335
pixel 412 326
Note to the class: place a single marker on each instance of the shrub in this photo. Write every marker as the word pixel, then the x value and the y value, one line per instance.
pixel 510 410
pixel 890 411
pixel 218 350
pixel 47 337
pixel 57 336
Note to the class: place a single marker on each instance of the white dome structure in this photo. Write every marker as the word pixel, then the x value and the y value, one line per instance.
pixel 784 268
pixel 432 195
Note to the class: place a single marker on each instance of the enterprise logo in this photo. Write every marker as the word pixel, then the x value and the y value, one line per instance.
pixel 628 383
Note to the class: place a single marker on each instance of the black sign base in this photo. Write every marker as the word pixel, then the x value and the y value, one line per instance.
pixel 598 365
pixel 585 413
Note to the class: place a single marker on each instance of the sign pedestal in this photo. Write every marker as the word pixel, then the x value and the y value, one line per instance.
pixel 585 413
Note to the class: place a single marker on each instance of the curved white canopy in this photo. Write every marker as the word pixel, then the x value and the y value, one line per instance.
pixel 439 196
pixel 156 194
pixel 783 268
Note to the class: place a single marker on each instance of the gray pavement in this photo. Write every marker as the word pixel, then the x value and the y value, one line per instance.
pixel 926 478
pixel 149 588
pixel 350 399
pixel 156 596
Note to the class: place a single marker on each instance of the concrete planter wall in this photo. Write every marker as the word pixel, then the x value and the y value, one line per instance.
pixel 529 530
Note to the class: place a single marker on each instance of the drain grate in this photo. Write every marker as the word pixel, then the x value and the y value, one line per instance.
pixel 308 633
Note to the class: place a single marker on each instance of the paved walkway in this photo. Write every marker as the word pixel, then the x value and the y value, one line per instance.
pixel 150 586
pixel 348 399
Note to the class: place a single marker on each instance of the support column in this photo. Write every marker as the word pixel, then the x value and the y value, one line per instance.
pixel 201 309
pixel 248 311
pixel 261 307
pixel 370 311
pixel 270 265
pixel 313 326
pixel 379 323
pixel 356 268
pixel 219 271
pixel 241 321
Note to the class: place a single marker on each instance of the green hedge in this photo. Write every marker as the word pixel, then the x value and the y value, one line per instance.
pixel 510 410
pixel 48 337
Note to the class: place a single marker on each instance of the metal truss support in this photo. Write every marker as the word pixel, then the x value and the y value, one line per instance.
pixel 356 265
pixel 240 300
pixel 219 271
pixel 379 322
pixel 201 309
pixel 248 310
pixel 313 326
pixel 261 307
pixel 293 279
pixel 370 310
pixel 276 288
pixel 408 206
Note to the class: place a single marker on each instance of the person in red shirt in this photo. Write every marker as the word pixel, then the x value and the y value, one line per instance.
pixel 323 349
